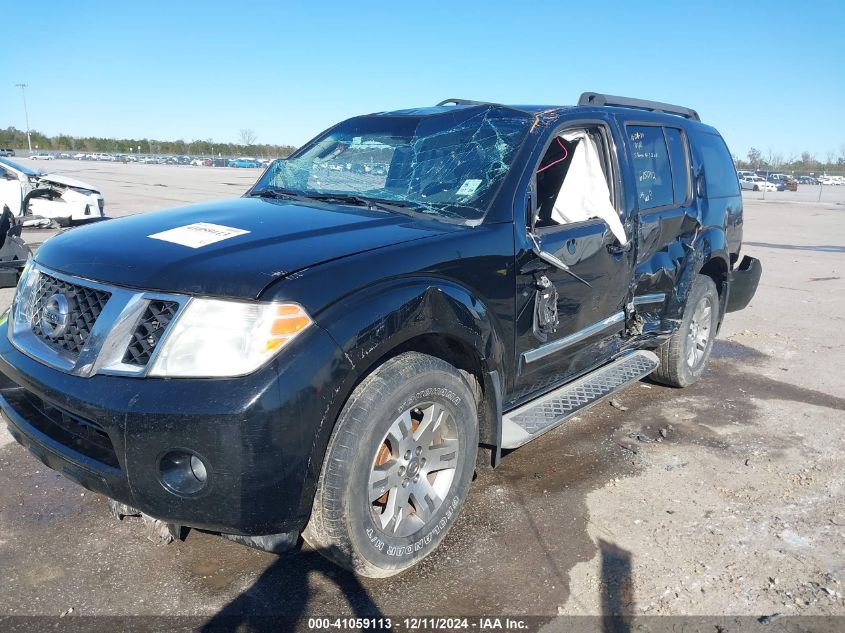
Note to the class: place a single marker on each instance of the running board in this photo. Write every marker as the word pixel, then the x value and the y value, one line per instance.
pixel 545 413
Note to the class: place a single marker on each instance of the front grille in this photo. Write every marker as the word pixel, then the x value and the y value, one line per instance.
pixel 79 434
pixel 150 329
pixel 84 306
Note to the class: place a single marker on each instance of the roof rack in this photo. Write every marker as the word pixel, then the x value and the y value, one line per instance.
pixel 462 102
pixel 598 99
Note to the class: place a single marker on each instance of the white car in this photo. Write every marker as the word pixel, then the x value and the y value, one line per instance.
pixel 42 157
pixel 756 183
pixel 34 194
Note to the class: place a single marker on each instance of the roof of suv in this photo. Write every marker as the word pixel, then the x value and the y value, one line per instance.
pixel 631 108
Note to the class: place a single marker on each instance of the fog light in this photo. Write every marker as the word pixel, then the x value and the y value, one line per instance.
pixel 182 472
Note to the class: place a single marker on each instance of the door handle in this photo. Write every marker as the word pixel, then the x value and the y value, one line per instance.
pixel 618 249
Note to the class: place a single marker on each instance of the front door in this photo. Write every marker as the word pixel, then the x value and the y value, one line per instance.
pixel 588 295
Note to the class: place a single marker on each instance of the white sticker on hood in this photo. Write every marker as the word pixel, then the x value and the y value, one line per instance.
pixel 198 234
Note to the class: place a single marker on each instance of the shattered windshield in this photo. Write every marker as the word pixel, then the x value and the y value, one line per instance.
pixel 449 165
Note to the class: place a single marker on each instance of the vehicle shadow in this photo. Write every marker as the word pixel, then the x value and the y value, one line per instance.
pixel 279 598
pixel 617 588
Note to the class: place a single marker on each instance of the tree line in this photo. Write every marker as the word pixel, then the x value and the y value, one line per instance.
pixel 804 164
pixel 14 138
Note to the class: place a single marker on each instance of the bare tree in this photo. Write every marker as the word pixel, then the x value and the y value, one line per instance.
pixel 755 158
pixel 773 159
pixel 247 136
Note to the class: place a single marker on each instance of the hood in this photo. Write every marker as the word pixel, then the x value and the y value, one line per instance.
pixel 269 240
pixel 67 181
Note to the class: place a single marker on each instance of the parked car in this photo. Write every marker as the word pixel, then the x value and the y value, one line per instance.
pixel 42 157
pixel 756 183
pixel 34 194
pixel 807 180
pixel 782 182
pixel 6 151
pixel 368 333
pixel 244 162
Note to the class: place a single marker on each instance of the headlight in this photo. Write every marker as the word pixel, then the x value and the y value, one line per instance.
pixel 21 311
pixel 214 338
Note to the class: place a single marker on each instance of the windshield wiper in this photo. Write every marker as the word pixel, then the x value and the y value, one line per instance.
pixel 396 206
pixel 276 192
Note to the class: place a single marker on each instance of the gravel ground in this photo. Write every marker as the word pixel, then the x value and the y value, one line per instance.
pixel 738 510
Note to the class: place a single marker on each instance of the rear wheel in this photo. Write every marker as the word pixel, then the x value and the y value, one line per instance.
pixel 684 355
pixel 398 467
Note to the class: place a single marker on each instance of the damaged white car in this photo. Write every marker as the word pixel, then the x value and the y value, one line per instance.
pixel 34 195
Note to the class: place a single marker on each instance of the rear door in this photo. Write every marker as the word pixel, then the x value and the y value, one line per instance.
pixel 658 159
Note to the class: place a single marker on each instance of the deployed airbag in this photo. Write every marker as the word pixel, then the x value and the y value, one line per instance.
pixel 584 193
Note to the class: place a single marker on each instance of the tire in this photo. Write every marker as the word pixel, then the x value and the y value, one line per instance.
pixel 370 535
pixel 756 188
pixel 684 355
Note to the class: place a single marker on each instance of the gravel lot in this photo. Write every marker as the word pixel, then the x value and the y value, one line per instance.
pixel 740 510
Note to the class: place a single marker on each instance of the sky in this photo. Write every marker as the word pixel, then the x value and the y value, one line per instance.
pixel 769 75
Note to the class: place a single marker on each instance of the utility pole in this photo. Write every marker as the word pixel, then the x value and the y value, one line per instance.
pixel 23 88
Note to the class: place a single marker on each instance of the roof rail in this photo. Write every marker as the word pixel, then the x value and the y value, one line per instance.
pixel 462 102
pixel 598 99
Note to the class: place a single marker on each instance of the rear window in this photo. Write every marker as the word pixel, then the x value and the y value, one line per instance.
pixel 720 178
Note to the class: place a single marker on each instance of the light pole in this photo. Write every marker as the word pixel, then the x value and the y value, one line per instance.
pixel 23 88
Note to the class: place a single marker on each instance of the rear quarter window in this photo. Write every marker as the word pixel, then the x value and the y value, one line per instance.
pixel 720 177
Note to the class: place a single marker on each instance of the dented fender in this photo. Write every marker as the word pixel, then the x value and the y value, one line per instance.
pixel 384 317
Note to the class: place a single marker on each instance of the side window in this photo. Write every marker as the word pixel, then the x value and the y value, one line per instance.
pixel 652 174
pixel 680 164
pixel 719 174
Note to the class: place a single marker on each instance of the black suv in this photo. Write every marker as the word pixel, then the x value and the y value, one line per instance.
pixel 403 298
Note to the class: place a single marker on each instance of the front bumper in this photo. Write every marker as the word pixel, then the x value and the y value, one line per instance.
pixel 261 436
pixel 743 281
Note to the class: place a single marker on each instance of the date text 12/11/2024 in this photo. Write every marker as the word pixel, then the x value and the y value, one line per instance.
pixel 426 623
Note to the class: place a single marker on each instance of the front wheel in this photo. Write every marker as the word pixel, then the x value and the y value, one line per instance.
pixel 684 355
pixel 397 468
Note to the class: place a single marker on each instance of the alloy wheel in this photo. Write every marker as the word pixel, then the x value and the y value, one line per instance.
pixel 698 335
pixel 413 469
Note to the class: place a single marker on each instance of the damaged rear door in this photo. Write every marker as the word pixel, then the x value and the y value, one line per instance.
pixel 659 166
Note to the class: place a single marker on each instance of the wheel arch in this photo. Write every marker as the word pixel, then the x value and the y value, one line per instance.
pixel 707 255
pixel 431 316
pixel 715 263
